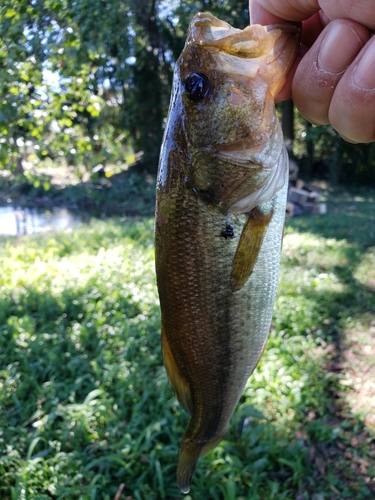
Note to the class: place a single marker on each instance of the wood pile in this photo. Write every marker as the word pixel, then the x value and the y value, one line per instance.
pixel 302 198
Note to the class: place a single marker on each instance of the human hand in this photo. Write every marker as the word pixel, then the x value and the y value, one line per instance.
pixel 333 78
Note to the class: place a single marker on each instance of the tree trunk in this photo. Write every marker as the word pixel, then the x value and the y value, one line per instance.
pixel 309 151
pixel 287 123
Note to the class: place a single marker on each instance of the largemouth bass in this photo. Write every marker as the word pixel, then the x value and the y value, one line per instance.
pixel 221 196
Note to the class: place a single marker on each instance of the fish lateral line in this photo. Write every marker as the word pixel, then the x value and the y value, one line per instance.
pixel 249 246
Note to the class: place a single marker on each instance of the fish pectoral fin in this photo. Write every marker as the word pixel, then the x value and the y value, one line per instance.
pixel 179 385
pixel 249 246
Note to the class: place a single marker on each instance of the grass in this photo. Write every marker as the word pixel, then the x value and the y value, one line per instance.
pixel 86 409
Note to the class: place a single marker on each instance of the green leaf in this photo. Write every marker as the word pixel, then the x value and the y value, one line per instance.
pixel 9 13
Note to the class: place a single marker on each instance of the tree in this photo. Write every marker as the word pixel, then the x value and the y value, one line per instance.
pixel 34 112
pixel 112 63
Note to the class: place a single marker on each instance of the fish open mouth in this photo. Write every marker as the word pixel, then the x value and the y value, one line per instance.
pixel 250 43
pixel 245 51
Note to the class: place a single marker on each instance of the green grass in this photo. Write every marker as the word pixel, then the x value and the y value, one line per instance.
pixel 85 402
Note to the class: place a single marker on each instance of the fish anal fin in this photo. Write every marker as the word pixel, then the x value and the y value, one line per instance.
pixel 180 387
pixel 249 246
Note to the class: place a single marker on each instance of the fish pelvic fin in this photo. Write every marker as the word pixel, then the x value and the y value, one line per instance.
pixel 249 246
pixel 180 386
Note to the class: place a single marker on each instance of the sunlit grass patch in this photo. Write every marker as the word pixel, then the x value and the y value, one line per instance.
pixel 78 321
pixel 365 271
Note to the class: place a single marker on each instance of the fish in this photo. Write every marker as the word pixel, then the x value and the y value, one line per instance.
pixel 220 207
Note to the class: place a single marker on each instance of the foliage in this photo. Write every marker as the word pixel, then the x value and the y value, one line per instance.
pixel 86 405
pixel 85 81
pixel 322 153
pixel 345 163
pixel 50 119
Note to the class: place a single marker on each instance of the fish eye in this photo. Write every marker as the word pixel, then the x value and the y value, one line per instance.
pixel 197 85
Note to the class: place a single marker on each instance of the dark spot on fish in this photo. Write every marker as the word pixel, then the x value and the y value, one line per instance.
pixel 227 232
pixel 197 85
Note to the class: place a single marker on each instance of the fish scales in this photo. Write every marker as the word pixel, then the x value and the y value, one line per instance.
pixel 221 196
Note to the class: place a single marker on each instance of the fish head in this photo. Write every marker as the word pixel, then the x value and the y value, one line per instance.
pixel 225 83
pixel 231 73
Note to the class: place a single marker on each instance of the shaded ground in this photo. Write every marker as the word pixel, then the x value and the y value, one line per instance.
pixel 349 318
pixel 359 364
pixel 356 358
pixel 352 361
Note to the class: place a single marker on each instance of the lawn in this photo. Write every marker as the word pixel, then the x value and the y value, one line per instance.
pixel 86 408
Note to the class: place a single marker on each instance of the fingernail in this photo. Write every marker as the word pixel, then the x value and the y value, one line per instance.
pixel 338 48
pixel 364 73
pixel 313 122
pixel 346 139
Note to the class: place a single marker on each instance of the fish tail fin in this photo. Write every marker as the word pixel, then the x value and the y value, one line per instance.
pixel 190 450
pixel 187 461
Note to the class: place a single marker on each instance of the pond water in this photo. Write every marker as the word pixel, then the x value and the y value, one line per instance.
pixel 16 221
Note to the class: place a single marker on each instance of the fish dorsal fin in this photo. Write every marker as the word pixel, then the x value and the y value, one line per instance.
pixel 249 246
pixel 180 387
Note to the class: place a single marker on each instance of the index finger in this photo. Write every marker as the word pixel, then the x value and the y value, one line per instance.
pixel 275 11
